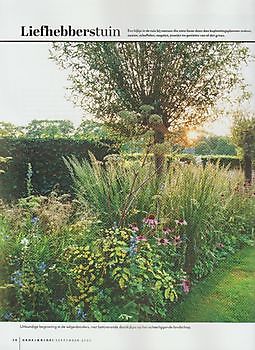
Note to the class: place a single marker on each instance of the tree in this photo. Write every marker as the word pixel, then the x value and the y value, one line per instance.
pixel 49 129
pixel 243 134
pixel 215 145
pixel 92 130
pixel 10 130
pixel 177 83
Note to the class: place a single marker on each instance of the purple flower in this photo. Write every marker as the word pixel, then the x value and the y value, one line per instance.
pixel 141 238
pixel 133 246
pixel 186 286
pixel 151 221
pixel 167 230
pixel 177 240
pixel 8 316
pixel 16 278
pixel 134 227
pixel 162 241
pixel 42 267
pixel 81 315
pixel 34 220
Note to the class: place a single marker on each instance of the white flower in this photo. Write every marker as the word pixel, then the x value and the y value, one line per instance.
pixel 181 222
pixel 24 241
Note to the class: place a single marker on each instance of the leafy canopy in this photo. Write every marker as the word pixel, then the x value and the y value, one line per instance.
pixel 243 132
pixel 215 145
pixel 10 130
pixel 181 81
pixel 49 129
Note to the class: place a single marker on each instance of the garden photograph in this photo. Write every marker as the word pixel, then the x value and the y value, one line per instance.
pixel 127 183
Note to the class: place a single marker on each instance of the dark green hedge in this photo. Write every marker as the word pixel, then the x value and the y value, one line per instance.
pixel 231 161
pixel 46 158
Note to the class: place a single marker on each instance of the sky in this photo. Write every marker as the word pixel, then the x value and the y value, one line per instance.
pixel 33 87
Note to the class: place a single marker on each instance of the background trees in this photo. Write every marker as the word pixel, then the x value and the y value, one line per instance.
pixel 49 129
pixel 179 84
pixel 10 130
pixel 244 137
pixel 215 145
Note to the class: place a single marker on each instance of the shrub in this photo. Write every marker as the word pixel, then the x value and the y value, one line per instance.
pixel 45 157
pixel 106 187
pixel 199 195
pixel 63 261
pixel 116 281
pixel 233 162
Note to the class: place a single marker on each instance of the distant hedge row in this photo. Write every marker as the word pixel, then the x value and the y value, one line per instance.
pixel 46 158
pixel 49 170
pixel 231 161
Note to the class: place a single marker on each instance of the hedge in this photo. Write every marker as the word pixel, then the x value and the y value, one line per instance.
pixel 231 161
pixel 46 158
pixel 224 160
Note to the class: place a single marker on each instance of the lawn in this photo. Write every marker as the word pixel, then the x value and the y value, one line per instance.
pixel 227 295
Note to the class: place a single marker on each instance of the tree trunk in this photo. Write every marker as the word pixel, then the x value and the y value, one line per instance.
pixel 247 163
pixel 159 138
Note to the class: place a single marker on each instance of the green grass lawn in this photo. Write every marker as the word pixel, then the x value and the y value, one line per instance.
pixel 227 295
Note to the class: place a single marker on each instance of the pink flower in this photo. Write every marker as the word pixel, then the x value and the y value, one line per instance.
pixel 177 240
pixel 167 229
pixel 134 227
pixel 162 241
pixel 220 245
pixel 181 222
pixel 141 238
pixel 186 286
pixel 151 221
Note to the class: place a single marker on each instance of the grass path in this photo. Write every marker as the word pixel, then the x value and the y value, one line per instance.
pixel 227 295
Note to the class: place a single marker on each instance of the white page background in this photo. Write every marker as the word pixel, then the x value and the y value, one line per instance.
pixel 163 14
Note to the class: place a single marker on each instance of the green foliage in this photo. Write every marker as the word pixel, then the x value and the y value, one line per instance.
pixel 33 235
pixel 4 160
pixel 194 193
pixel 105 187
pixel 10 130
pixel 110 77
pixel 243 132
pixel 224 296
pixel 202 195
pixel 45 157
pixel 92 131
pixel 51 129
pixel 111 283
pixel 244 136
pixel 215 145
pixel 61 260
pixel 232 162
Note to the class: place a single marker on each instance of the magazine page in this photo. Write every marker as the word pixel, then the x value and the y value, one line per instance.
pixel 127 148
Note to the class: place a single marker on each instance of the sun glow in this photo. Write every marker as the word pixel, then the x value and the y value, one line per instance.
pixel 192 135
pixel 219 127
